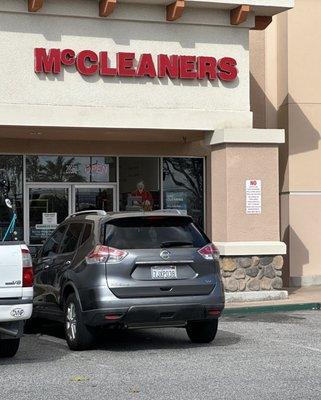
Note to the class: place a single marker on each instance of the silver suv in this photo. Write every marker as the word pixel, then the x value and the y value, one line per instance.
pixel 128 270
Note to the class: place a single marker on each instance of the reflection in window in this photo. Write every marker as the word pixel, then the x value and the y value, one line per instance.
pixel 184 187
pixel 71 169
pixel 41 202
pixel 102 169
pixel 94 199
pixel 11 171
pixel 51 247
pixel 139 186
pixel 70 241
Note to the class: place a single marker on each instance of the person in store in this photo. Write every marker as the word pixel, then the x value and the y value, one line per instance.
pixel 147 200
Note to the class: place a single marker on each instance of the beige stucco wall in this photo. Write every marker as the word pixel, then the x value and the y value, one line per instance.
pixel 70 99
pixel 301 106
pixel 263 76
pixel 298 109
pixel 257 78
pixel 304 96
pixel 303 211
pixel 232 166
pixel 219 193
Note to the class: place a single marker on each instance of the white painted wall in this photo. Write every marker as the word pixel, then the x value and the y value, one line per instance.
pixel 73 100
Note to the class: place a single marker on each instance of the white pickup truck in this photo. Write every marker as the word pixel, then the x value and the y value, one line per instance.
pixel 16 294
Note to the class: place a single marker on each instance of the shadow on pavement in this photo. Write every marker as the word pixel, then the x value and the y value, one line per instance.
pixel 272 318
pixel 139 339
pixel 135 340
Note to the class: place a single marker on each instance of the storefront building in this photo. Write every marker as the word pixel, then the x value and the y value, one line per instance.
pixel 142 105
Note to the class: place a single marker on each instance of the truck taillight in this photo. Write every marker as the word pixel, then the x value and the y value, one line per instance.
pixel 106 254
pixel 27 272
pixel 209 252
pixel 27 280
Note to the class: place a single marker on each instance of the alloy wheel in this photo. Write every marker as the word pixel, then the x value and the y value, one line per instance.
pixel 71 321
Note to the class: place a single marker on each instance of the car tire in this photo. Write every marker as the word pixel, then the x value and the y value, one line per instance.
pixel 202 331
pixel 9 347
pixel 79 336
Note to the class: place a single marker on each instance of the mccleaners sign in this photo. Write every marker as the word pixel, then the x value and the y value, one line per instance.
pixel 88 62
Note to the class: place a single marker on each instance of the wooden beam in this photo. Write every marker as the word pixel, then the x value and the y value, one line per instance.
pixel 34 5
pixel 261 22
pixel 175 10
pixel 239 14
pixel 106 7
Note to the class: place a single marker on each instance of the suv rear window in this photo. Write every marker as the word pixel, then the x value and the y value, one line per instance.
pixel 153 233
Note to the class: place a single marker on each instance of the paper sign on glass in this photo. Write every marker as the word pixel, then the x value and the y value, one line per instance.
pixel 49 218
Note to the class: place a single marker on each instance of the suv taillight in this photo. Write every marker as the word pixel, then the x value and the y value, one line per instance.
pixel 209 252
pixel 27 272
pixel 106 254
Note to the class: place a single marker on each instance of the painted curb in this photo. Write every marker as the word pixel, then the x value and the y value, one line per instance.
pixel 271 308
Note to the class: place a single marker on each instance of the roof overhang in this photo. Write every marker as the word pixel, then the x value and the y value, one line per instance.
pixel 258 7
pixel 261 10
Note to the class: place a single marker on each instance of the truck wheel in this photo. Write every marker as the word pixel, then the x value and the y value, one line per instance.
pixel 78 335
pixel 202 331
pixel 9 347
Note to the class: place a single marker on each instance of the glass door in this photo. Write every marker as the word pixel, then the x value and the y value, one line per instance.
pixel 48 206
pixel 94 197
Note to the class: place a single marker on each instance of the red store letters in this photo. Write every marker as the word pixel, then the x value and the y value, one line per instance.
pixel 88 62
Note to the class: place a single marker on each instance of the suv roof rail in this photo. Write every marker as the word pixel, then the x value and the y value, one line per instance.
pixel 101 213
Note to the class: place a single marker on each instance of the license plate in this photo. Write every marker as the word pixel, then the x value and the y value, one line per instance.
pixel 164 272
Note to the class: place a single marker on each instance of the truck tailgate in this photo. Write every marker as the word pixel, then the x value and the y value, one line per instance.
pixel 10 270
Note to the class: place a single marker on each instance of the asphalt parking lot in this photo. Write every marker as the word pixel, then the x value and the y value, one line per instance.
pixel 265 356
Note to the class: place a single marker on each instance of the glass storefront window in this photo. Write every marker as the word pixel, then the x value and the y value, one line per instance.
pixel 183 186
pixel 139 187
pixel 82 182
pixel 103 169
pixel 93 198
pixel 71 169
pixel 11 167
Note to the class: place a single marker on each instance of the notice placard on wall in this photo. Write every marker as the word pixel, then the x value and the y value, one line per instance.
pixel 253 190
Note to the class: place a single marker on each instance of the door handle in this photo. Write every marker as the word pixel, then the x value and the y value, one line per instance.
pixel 46 267
pixel 67 263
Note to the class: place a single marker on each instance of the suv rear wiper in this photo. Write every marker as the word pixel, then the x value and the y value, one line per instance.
pixel 175 244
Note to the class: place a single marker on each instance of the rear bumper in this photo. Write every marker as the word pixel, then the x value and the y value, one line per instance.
pixel 101 307
pixel 15 310
pixel 152 315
